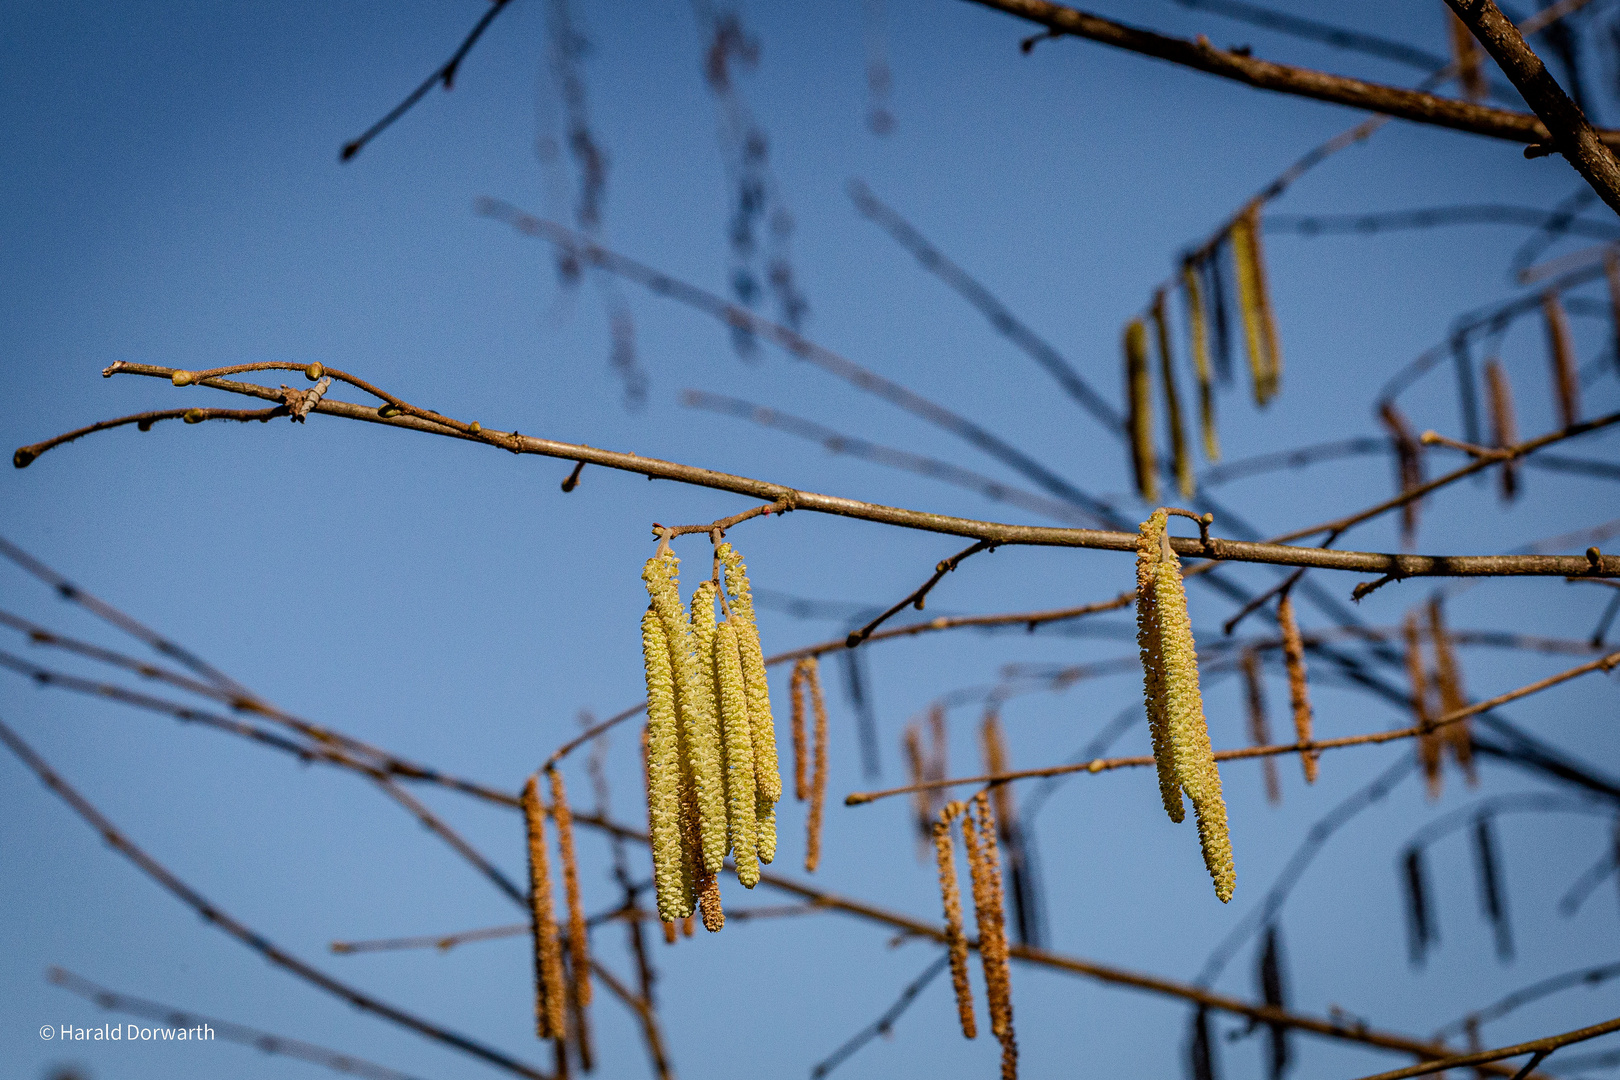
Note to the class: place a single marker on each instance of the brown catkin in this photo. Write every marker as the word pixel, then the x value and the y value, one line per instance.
pixel 801 783
pixel 997 761
pixel 669 932
pixel 714 916
pixel 578 943
pixel 1504 425
pixel 688 926
pixel 1139 398
pixel 1611 272
pixel 1466 60
pixel 916 773
pixel 1147 640
pixel 1198 335
pixel 1298 688
pixel 1457 735
pixel 984 860
pixel 1561 355
pixel 1428 744
pixel 1408 465
pixel 1259 723
pixel 549 1015
pixel 955 939
pixel 579 1021
pixel 818 779
pixel 1180 457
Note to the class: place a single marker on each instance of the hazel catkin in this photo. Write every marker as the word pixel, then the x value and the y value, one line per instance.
pixel 1298 689
pixel 739 756
pixel 1139 397
pixel 768 777
pixel 664 780
pixel 550 1018
pixel 1561 355
pixel 578 941
pixel 951 897
pixel 1198 335
pixel 818 776
pixel 1504 425
pixel 1429 742
pixel 1180 457
pixel 1147 640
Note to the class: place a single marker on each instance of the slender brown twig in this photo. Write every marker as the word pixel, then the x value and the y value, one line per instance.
pixel 1537 1048
pixel 919 595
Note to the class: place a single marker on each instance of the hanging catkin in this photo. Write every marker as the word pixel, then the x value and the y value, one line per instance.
pixel 984 865
pixel 1491 895
pixel 1259 724
pixel 739 770
pixel 1428 743
pixel 1408 465
pixel 578 943
pixel 801 746
pixel 1268 314
pixel 1293 647
pixel 1420 924
pixel 1180 457
pixel 1181 704
pixel 1273 992
pixel 1259 325
pixel 1139 395
pixel 1466 60
pixel 1456 735
pixel 694 704
pixel 1147 640
pixel 1198 337
pixel 995 763
pixel 765 828
pixel 1561 355
pixel 708 892
pixel 818 776
pixel 951 895
pixel 1504 426
pixel 549 1015
pixel 768 777
pixel 917 773
pixel 1611 272
pixel 671 873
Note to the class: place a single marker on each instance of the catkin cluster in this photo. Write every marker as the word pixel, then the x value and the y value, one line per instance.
pixel 1175 708
pixel 712 778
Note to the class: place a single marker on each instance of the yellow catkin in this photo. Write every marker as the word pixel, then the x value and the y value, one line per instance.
pixel 801 747
pixel 663 773
pixel 818 777
pixel 1465 59
pixel 1139 397
pixel 1299 695
pixel 1428 744
pixel 1561 355
pixel 1259 724
pixel 550 1019
pixel 1254 335
pixel 704 739
pixel 1456 736
pixel 1185 727
pixel 739 770
pixel 578 942
pixel 767 774
pixel 1268 314
pixel 1180 457
pixel 955 939
pixel 714 916
pixel 1504 425
pixel 765 828
pixel 1198 334
pixel 984 864
pixel 694 704
pixel 1147 640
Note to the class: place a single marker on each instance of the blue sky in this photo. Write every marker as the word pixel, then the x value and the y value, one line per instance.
pixel 171 194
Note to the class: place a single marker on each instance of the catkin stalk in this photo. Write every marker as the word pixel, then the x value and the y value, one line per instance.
pixel 1298 688
pixel 818 780
pixel 1428 744
pixel 1259 723
pixel 951 895
pixel 578 942
pixel 1456 735
pixel 1139 396
pixel 1147 640
pixel 1180 457
pixel 801 782
pixel 664 780
pixel 1504 425
pixel 739 768
pixel 1561 355
pixel 550 1018
pixel 768 777
pixel 1198 335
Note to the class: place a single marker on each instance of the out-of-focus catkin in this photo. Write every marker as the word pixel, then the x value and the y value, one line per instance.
pixel 549 1007
pixel 1254 300
pixel 578 943
pixel 1408 465
pixel 801 746
pixel 984 865
pixel 1180 456
pixel 1466 59
pixel 1198 335
pixel 768 777
pixel 1561 355
pixel 1299 696
pixel 818 778
pixel 739 755
pixel 664 773
pixel 1428 743
pixel 1611 273
pixel 1259 723
pixel 1147 640
pixel 1139 397
pixel 951 896
pixel 1448 676
pixel 1504 425
pixel 996 761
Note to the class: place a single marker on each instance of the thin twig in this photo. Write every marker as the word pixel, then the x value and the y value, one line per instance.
pixel 1539 1048
pixel 916 598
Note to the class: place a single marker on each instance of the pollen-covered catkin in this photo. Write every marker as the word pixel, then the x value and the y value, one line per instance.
pixel 767 774
pixel 1139 396
pixel 578 942
pixel 1298 689
pixel 765 827
pixel 1428 743
pixel 1504 425
pixel 1147 640
pixel 1455 735
pixel 1268 314
pixel 1198 334
pixel 984 859
pixel 714 916
pixel 1259 724
pixel 1254 335
pixel 705 739
pixel 951 895
pixel 739 770
pixel 1561 355
pixel 818 776
pixel 664 778
pixel 550 1018
pixel 1180 456
pixel 801 748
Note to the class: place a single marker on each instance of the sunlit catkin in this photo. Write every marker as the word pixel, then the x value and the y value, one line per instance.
pixel 1293 647
pixel 663 773
pixel 1504 425
pixel 1561 355
pixel 801 745
pixel 989 910
pixel 1259 723
pixel 1198 335
pixel 1428 743
pixel 767 775
pixel 1455 735
pixel 1147 640
pixel 818 776
pixel 1258 333
pixel 549 1005
pixel 739 756
pixel 1139 397
pixel 578 943
pixel 765 828
pixel 951 896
